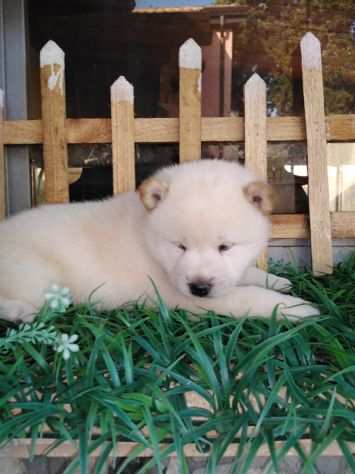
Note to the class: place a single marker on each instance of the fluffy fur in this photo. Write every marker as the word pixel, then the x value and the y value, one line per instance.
pixel 194 229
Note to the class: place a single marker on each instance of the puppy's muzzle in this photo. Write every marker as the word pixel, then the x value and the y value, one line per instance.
pixel 200 288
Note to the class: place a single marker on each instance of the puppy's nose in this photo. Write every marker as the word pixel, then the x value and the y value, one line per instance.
pixel 200 288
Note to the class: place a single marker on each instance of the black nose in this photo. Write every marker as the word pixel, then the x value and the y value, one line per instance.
pixel 200 288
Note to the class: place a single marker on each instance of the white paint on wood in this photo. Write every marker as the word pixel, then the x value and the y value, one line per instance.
pixel 255 81
pixel 52 55
pixel 311 52
pixel 190 55
pixel 54 79
pixel 122 91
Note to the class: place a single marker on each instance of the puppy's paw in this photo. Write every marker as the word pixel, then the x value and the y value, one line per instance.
pixel 277 283
pixel 298 308
pixel 13 310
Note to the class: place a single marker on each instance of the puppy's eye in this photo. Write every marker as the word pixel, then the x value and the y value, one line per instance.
pixel 181 247
pixel 224 247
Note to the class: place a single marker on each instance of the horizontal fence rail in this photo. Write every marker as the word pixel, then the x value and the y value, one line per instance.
pixel 166 130
pixel 55 131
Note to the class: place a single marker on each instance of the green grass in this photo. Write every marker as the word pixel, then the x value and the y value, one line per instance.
pixel 135 366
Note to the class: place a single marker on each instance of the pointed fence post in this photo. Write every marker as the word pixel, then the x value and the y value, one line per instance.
pixel 318 191
pixel 123 156
pixel 2 158
pixel 255 134
pixel 190 64
pixel 55 153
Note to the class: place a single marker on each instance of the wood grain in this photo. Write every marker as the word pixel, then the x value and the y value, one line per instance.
pixel 166 130
pixel 55 154
pixel 296 226
pixel 318 191
pixel 255 135
pixel 190 101
pixel 123 155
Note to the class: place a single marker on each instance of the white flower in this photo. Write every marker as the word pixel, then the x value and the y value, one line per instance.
pixel 58 298
pixel 65 344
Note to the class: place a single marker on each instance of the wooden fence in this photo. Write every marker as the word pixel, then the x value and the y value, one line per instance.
pixel 55 132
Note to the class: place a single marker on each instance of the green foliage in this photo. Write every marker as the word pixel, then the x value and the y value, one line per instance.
pixel 35 333
pixel 261 380
pixel 266 41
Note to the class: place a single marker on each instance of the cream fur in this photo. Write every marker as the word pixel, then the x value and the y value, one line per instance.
pixel 117 244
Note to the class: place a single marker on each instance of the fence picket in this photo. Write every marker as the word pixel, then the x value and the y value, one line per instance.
pixel 190 64
pixel 123 156
pixel 255 134
pixel 2 158
pixel 318 191
pixel 55 153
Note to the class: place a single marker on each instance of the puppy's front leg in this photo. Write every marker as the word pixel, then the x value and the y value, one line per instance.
pixel 256 276
pixel 255 301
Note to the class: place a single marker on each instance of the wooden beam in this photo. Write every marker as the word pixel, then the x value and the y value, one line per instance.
pixel 123 156
pixel 190 64
pixel 23 132
pixel 296 226
pixel 285 129
pixel 255 135
pixel 55 154
pixel 340 127
pixel 318 190
pixel 166 130
pixel 290 226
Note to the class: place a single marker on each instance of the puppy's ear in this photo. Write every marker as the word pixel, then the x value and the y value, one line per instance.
pixel 260 195
pixel 152 191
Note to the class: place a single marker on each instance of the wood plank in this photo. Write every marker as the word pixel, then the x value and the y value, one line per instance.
pixel 166 130
pixel 343 225
pixel 123 156
pixel 318 191
pixel 230 128
pixel 190 64
pixel 21 448
pixel 23 132
pixel 156 130
pixel 290 226
pixel 340 127
pixel 55 153
pixel 296 226
pixel 279 129
pixel 2 159
pixel 89 131
pixel 255 135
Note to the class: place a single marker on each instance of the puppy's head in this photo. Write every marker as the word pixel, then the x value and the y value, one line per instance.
pixel 206 222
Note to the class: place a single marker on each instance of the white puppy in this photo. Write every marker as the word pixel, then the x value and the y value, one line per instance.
pixel 194 229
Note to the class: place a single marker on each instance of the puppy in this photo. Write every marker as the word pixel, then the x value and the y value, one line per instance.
pixel 194 229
